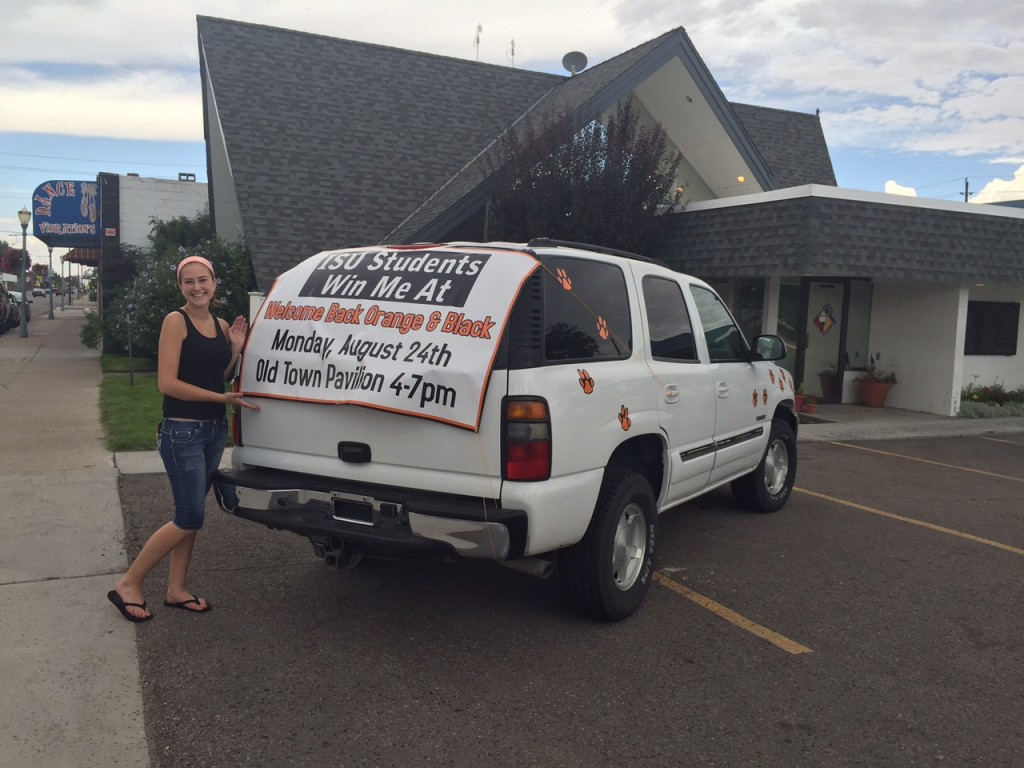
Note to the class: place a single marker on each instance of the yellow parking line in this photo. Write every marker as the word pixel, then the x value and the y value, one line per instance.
pixel 789 646
pixel 912 521
pixel 934 463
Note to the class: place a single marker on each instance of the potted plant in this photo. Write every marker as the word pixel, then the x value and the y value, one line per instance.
pixel 831 386
pixel 800 398
pixel 874 385
pixel 811 405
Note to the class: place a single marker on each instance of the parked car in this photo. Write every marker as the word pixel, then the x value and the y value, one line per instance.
pixel 535 404
pixel 38 291
pixel 28 307
pixel 8 309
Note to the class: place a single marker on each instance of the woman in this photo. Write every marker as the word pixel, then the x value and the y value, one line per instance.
pixel 197 355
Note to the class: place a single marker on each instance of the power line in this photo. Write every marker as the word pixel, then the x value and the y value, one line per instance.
pixel 76 159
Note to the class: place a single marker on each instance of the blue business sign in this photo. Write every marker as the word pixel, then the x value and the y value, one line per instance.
pixel 65 214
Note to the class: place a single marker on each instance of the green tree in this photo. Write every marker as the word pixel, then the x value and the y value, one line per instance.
pixel 149 290
pixel 10 258
pixel 604 183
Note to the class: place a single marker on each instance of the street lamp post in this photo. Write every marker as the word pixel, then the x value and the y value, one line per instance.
pixel 49 276
pixel 24 216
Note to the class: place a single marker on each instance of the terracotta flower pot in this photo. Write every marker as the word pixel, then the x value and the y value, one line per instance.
pixel 831 387
pixel 873 393
pixel 800 400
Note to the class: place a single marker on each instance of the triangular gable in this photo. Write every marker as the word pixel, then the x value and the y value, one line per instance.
pixel 671 83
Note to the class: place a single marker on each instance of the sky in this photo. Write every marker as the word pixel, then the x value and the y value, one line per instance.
pixel 916 98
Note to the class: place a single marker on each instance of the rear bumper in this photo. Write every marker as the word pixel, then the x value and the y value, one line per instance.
pixel 381 520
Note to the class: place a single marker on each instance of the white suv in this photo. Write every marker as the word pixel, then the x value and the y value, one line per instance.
pixel 535 404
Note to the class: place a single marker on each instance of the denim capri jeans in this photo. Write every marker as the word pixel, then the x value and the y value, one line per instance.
pixel 191 451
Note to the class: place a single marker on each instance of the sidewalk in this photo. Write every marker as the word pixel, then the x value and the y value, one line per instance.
pixel 69 664
pixel 69 669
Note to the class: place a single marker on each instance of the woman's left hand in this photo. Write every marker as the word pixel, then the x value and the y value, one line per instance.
pixel 236 333
pixel 235 398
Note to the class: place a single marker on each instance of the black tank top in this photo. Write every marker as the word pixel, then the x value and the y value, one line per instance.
pixel 201 364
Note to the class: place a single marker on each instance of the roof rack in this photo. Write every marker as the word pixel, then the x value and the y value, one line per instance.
pixel 547 242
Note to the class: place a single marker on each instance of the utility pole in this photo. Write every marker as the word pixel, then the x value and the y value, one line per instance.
pixel 966 191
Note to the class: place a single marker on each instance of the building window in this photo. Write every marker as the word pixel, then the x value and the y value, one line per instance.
pixel 992 327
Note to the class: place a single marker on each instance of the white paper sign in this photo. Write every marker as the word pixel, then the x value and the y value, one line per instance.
pixel 409 329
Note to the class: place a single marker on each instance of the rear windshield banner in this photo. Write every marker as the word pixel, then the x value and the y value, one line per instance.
pixel 413 331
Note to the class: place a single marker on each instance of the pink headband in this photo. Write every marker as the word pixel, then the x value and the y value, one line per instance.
pixel 195 260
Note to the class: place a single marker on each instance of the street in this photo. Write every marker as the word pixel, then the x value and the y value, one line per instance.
pixel 875 621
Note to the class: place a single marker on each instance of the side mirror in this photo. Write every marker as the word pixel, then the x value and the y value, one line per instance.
pixel 768 347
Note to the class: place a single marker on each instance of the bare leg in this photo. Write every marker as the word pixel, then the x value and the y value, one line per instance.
pixel 181 558
pixel 164 540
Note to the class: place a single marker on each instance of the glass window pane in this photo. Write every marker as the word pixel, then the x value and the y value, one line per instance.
pixel 668 320
pixel 725 342
pixel 586 311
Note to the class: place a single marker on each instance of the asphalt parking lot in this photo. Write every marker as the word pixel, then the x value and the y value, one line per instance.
pixel 875 621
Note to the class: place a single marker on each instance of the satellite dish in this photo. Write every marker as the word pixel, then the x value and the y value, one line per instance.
pixel 574 62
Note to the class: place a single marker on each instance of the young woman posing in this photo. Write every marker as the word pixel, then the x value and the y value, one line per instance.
pixel 197 355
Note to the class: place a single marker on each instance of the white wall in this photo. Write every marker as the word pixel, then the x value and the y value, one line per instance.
pixel 165 199
pixel 917 330
pixel 991 369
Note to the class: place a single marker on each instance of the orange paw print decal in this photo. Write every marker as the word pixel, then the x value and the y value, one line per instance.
pixel 771 376
pixel 602 328
pixel 764 396
pixel 782 384
pixel 563 279
pixel 624 419
pixel 755 398
pixel 586 382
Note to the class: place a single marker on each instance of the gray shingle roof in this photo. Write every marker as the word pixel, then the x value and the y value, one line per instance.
pixel 792 144
pixel 332 142
pixel 835 237
pixel 584 96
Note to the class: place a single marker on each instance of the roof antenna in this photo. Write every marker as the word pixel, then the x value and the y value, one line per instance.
pixel 510 54
pixel 476 40
pixel 574 62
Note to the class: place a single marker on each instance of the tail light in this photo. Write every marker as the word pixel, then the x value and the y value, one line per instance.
pixel 527 445
pixel 236 422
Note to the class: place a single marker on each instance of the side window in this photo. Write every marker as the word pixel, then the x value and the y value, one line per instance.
pixel 992 328
pixel 668 320
pixel 725 342
pixel 586 311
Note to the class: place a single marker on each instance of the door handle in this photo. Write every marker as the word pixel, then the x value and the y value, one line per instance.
pixel 722 389
pixel 671 393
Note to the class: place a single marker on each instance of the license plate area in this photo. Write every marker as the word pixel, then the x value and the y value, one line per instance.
pixel 364 510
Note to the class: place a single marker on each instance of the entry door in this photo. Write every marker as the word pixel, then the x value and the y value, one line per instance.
pixel 823 341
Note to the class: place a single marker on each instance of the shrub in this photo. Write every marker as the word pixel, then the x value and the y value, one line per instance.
pixel 143 302
pixel 990 401
pixel 91 333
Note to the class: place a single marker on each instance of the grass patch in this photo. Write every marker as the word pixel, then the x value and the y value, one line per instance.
pixel 130 414
pixel 124 364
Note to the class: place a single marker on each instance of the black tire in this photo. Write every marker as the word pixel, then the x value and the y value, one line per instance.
pixel 607 574
pixel 767 488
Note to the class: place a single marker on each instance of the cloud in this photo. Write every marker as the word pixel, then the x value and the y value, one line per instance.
pixel 892 188
pixel 1002 190
pixel 150 103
